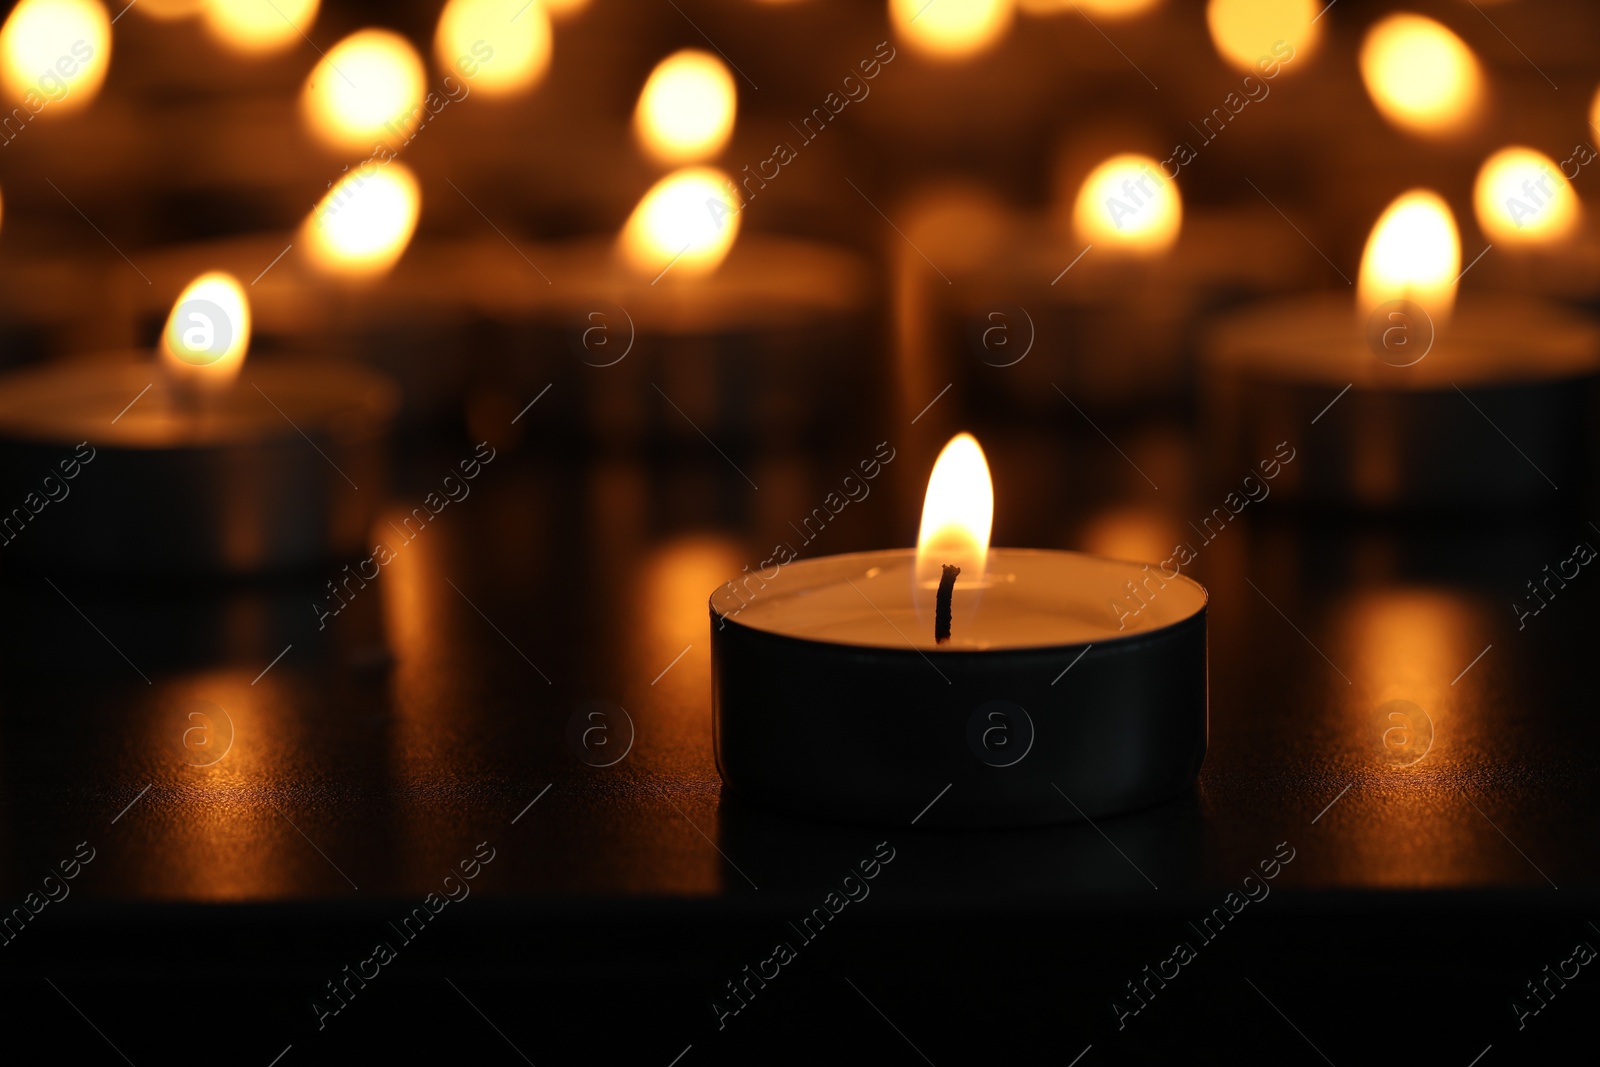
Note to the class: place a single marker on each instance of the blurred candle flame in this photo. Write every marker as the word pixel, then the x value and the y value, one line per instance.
pixel 367 88
pixel 1421 76
pixel 207 333
pixel 1250 33
pixel 687 221
pixel 686 108
pixel 1522 197
pixel 1126 204
pixel 562 9
pixel 1594 120
pixel 364 224
pixel 54 53
pixel 957 514
pixel 1414 253
pixel 950 29
pixel 501 46
pixel 259 26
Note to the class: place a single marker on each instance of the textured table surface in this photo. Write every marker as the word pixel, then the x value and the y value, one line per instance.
pixel 372 756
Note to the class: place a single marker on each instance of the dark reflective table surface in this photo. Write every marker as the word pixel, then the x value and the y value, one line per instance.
pixel 346 765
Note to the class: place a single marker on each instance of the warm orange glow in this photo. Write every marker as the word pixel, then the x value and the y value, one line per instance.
pixel 950 29
pixel 208 332
pixel 258 26
pixel 1126 204
pixel 170 9
pixel 1414 253
pixel 1249 33
pixel 54 53
pixel 501 46
pixel 562 9
pixel 957 513
pixel 672 583
pixel 686 222
pixel 364 90
pixel 1110 9
pixel 686 109
pixel 365 222
pixel 1421 76
pixel 1129 531
pixel 1522 197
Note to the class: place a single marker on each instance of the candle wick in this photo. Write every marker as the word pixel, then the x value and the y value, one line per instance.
pixel 941 610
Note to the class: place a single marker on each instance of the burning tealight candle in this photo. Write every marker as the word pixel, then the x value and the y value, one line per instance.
pixel 723 332
pixel 1005 686
pixel 198 466
pixel 1407 400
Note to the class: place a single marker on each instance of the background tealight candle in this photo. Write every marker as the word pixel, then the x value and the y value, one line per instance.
pixel 1406 400
pixel 199 465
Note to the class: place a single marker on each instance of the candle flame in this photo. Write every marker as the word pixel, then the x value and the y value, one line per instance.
pixel 255 27
pixel 1422 77
pixel 951 29
pixel 1256 35
pixel 686 222
pixel 503 46
pixel 1414 253
pixel 364 224
pixel 957 514
pixel 207 333
pixel 1522 197
pixel 1126 204
pixel 368 85
pixel 686 108
pixel 54 53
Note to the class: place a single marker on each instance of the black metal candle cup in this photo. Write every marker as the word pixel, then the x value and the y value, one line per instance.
pixel 262 476
pixel 1066 699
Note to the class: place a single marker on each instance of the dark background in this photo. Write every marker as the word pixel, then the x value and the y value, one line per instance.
pixel 378 752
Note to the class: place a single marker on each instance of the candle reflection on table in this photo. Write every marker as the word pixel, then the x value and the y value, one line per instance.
pixel 224 828
pixel 1409 745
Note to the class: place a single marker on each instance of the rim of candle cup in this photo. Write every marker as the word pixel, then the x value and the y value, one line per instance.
pixel 1326 333
pixel 119 377
pixel 1120 641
